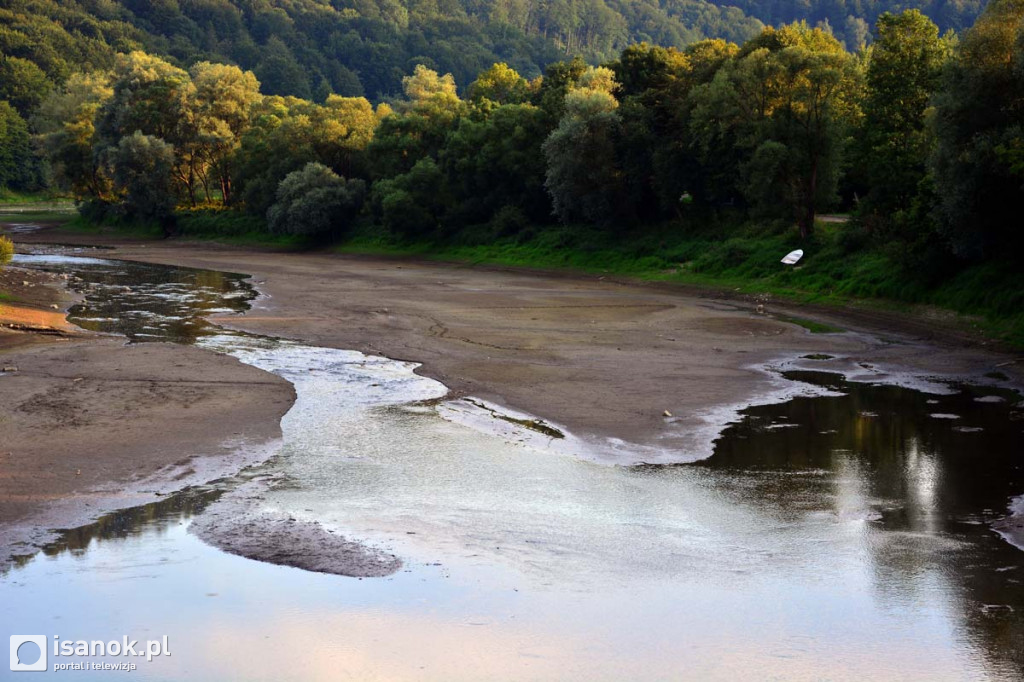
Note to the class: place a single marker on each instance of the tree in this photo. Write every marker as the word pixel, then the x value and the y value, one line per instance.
pixel 142 170
pixel 430 110
pixel 315 202
pixel 149 95
pixel 224 97
pixel 287 133
pixel 155 98
pixel 22 84
pixel 978 126
pixel 582 173
pixel 495 161
pixel 19 168
pixel 499 84
pixel 66 122
pixel 413 203
pixel 280 72
pixel 783 110
pixel 904 72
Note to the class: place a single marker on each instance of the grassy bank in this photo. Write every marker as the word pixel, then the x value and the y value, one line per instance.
pixel 9 197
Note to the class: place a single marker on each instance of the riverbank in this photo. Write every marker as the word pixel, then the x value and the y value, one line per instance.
pixel 842 266
pixel 640 371
pixel 604 357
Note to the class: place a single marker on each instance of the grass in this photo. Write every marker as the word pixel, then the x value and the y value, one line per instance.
pixel 22 198
pixel 140 230
pixel 232 227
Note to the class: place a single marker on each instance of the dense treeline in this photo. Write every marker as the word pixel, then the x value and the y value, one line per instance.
pixel 310 48
pixel 921 136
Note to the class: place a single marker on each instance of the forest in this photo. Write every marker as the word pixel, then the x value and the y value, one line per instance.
pixel 703 159
pixel 312 48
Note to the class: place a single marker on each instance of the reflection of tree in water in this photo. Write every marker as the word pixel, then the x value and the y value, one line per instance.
pixel 155 517
pixel 148 302
pixel 929 485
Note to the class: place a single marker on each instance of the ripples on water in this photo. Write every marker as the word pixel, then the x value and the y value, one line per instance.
pixel 842 537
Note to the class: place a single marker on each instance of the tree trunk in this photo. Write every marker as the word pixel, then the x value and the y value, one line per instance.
pixel 809 212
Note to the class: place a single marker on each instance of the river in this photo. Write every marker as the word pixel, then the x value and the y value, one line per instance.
pixel 840 536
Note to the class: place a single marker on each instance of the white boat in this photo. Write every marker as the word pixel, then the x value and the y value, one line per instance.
pixel 793 256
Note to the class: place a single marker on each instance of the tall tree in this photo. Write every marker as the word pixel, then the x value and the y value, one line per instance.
pixel 155 98
pixel 904 71
pixel 224 97
pixel 783 109
pixel 979 126
pixel 143 175
pixel 583 177
pixel 18 165
pixel 66 122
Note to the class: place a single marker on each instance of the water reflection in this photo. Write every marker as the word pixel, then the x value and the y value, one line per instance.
pixel 927 487
pixel 142 301
pixel 153 518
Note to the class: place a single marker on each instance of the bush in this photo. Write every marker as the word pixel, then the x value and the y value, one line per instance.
pixel 509 220
pixel 412 204
pixel 142 174
pixel 316 202
pixel 6 251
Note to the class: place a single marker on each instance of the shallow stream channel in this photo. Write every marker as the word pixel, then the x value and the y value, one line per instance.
pixel 847 534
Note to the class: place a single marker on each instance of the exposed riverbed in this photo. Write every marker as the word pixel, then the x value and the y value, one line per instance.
pixel 845 535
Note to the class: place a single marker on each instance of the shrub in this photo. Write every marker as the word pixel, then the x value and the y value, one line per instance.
pixel 6 251
pixel 317 202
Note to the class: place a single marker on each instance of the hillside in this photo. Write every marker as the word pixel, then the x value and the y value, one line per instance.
pixel 309 48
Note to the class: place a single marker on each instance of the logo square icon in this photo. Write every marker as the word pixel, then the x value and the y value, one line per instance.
pixel 28 653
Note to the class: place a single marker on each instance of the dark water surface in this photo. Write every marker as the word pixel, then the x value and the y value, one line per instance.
pixel 842 537
pixel 142 301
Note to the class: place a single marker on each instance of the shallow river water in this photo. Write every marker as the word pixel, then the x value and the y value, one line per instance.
pixel 838 537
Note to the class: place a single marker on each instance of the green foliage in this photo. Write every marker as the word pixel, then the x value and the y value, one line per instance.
pixel 903 74
pixel 697 157
pixel 142 172
pixel 19 167
pixel 495 161
pixel 315 202
pixel 66 121
pixel 22 83
pixel 582 171
pixel 499 84
pixel 412 204
pixel 287 133
pixel 977 120
pixel 782 111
